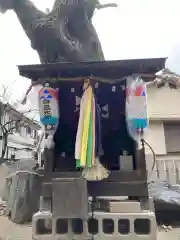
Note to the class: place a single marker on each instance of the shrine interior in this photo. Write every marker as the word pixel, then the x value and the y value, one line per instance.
pixel 114 134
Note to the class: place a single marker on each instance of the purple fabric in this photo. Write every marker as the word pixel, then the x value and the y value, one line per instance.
pixel 104 95
pixel 110 131
pixel 66 132
pixel 116 106
pixel 67 103
pixel 98 145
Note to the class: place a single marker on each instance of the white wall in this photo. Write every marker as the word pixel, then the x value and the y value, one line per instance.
pixel 163 103
pixel 155 137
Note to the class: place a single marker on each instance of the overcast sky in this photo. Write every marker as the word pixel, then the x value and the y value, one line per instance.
pixel 136 29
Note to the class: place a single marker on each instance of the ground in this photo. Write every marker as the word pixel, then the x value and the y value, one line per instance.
pixel 11 231
pixel 172 235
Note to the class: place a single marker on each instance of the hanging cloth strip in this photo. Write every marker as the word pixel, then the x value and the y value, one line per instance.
pixel 86 126
pixel 80 131
pixel 98 144
pixel 88 133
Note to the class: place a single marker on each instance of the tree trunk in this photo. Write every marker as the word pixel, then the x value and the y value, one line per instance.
pixel 66 34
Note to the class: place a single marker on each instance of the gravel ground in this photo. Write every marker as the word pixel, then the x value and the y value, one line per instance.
pixel 171 235
pixel 12 231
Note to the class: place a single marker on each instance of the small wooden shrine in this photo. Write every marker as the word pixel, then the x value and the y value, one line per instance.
pixel 108 79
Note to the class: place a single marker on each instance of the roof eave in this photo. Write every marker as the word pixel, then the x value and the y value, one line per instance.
pixel 108 69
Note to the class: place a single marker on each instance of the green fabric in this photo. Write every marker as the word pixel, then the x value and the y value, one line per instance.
pixel 78 163
pixel 90 142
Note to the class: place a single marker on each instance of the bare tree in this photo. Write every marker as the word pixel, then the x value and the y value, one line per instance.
pixel 10 126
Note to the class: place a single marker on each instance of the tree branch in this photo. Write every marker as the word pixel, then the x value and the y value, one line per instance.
pixel 66 34
pixel 101 6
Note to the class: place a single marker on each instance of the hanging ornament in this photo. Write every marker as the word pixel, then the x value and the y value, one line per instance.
pixel 48 106
pixel 136 106
pixel 49 116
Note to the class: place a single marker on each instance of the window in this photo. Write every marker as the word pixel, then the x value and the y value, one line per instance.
pixel 23 131
pixel 35 134
pixel 11 123
pixel 172 137
pixel 28 129
pixel 32 133
pixel 18 128
pixel 1 112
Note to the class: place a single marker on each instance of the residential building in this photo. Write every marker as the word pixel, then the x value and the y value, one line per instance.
pixel 164 133
pixel 22 134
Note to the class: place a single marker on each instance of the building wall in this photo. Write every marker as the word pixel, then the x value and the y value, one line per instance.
pixel 163 105
pixel 156 138
pixel 18 138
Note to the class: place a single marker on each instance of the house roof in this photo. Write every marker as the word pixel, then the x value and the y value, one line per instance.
pixel 166 76
pixel 22 116
pixel 104 69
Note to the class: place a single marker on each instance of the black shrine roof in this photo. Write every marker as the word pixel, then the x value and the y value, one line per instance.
pixel 103 69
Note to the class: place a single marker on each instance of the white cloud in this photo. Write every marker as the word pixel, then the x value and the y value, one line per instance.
pixel 173 61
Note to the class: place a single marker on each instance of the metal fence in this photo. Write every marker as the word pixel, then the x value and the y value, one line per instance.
pixel 164 170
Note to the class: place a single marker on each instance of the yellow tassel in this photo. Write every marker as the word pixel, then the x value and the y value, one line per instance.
pixel 93 126
pixel 80 129
pixel 96 173
pixel 86 128
pixel 86 84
